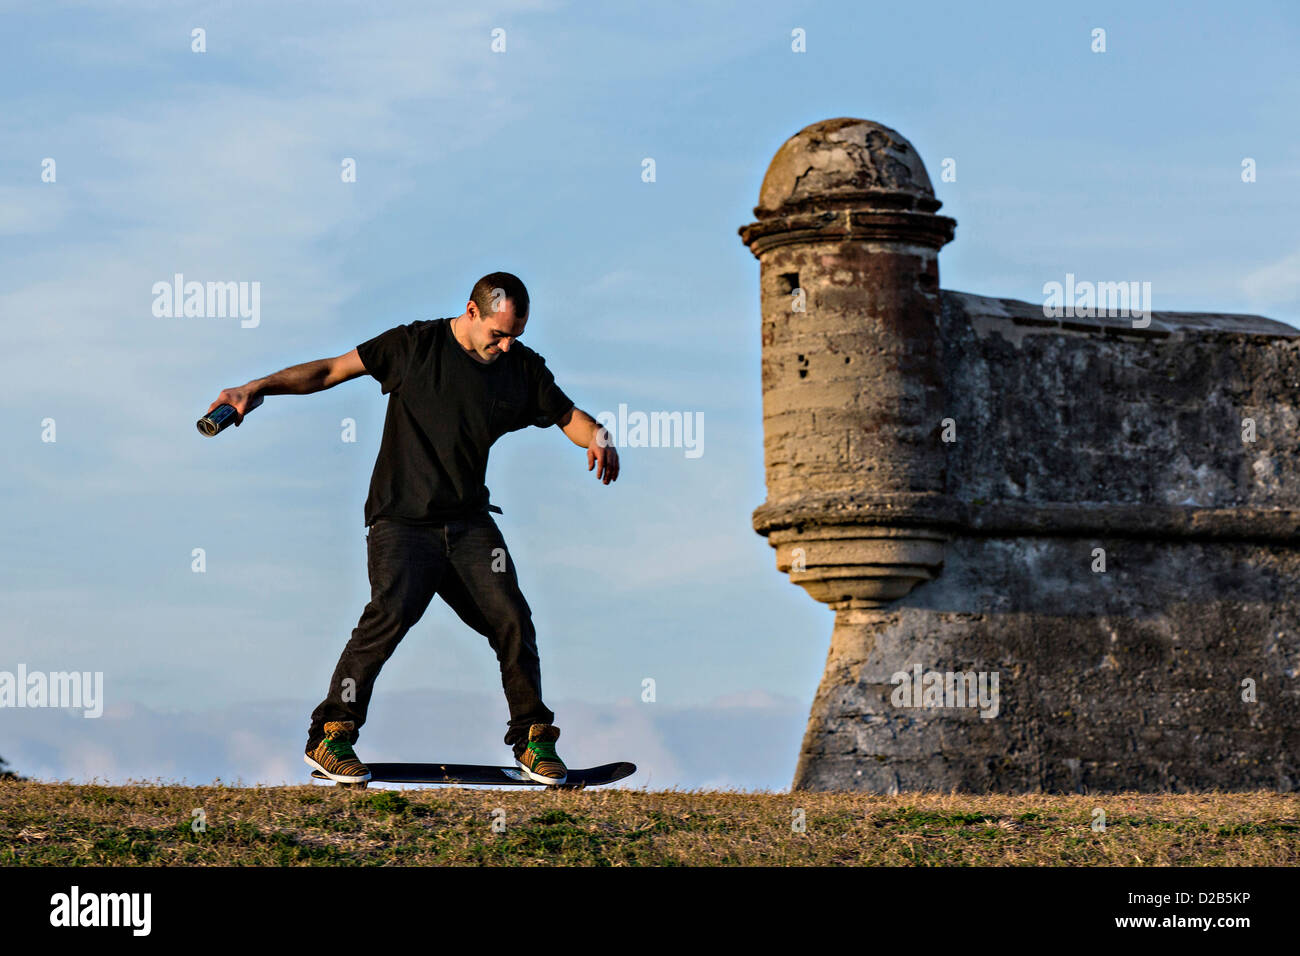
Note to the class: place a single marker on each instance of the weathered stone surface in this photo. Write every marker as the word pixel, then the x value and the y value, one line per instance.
pixel 1068 439
pixel 1131 679
pixel 844 160
pixel 1046 416
pixel 847 221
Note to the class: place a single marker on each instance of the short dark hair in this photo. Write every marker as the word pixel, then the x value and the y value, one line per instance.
pixel 483 293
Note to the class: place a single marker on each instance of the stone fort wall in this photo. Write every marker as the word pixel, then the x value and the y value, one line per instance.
pixel 1089 524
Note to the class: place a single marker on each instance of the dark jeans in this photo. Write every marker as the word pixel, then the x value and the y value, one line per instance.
pixel 408 564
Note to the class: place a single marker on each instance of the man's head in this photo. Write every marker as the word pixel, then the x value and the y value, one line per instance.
pixel 494 316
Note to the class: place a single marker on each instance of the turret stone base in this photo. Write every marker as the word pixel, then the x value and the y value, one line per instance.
pixel 1131 679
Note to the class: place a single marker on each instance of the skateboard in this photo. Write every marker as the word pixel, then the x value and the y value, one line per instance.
pixel 474 775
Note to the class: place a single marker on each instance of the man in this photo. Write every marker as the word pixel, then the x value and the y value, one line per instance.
pixel 455 386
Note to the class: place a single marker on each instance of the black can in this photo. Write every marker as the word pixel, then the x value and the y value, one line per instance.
pixel 216 420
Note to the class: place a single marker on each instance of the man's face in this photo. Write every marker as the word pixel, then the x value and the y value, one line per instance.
pixel 491 335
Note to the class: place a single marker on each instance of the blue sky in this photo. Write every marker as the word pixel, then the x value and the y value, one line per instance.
pixel 225 166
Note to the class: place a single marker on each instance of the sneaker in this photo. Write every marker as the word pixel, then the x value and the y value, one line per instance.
pixel 334 755
pixel 539 759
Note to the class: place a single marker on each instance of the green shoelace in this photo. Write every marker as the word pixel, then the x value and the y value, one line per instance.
pixel 341 748
pixel 544 750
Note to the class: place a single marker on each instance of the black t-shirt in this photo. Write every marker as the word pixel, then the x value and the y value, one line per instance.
pixel 444 412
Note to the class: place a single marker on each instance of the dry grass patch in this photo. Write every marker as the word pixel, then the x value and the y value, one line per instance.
pixel 64 824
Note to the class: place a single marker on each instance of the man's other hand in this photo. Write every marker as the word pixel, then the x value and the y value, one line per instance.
pixel 601 452
pixel 242 399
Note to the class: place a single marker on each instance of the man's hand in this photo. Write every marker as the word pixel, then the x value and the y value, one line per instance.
pixel 601 451
pixel 242 399
pixel 585 432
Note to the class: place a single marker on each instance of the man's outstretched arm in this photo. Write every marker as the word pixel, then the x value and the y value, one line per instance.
pixel 585 432
pixel 296 380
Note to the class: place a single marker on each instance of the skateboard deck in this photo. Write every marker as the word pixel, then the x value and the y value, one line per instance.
pixel 475 775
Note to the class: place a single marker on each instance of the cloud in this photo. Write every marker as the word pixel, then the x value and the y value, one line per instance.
pixel 713 745
pixel 1276 284
pixel 221 174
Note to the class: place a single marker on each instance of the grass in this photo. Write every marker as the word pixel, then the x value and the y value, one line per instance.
pixel 86 825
